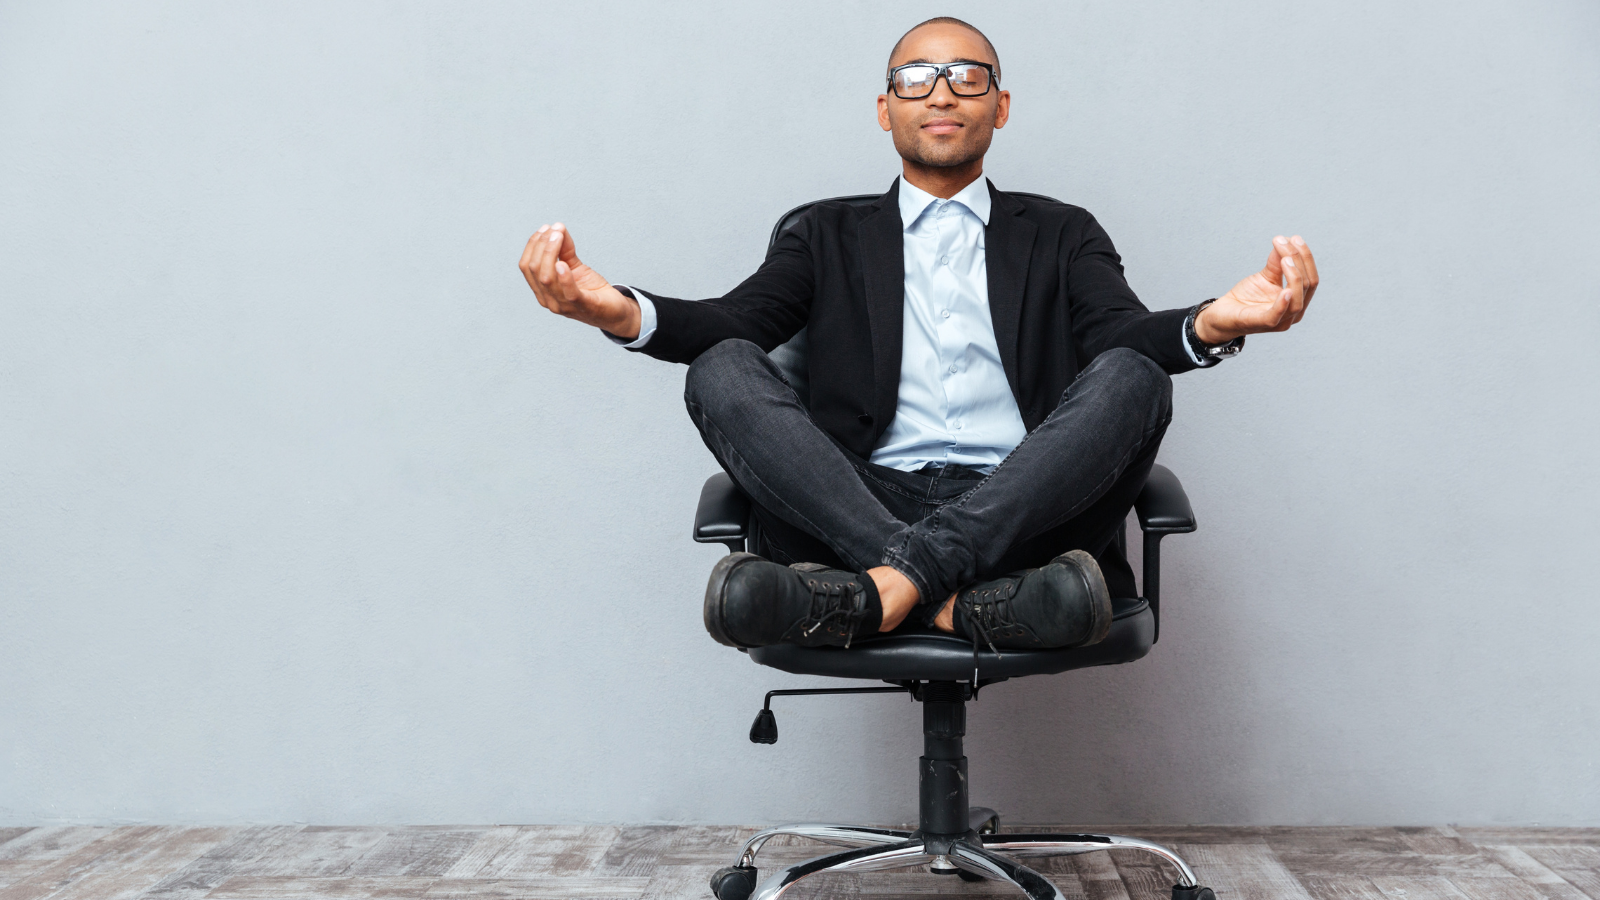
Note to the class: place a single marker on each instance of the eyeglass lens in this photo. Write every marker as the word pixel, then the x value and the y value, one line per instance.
pixel 916 82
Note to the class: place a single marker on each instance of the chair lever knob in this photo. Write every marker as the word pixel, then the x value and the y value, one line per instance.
pixel 765 728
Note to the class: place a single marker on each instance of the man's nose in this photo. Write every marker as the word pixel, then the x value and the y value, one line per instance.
pixel 942 97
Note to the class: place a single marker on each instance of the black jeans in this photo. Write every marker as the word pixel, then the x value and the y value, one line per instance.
pixel 1068 485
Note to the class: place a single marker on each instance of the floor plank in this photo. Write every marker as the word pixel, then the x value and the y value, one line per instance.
pixel 412 852
pixel 1340 887
pixel 315 851
pixel 1143 874
pixel 719 845
pixel 636 850
pixel 488 845
pixel 243 846
pixel 1578 865
pixel 658 862
pixel 337 887
pixel 36 849
pixel 1543 836
pixel 1242 871
pixel 1417 887
pixel 551 850
pixel 121 863
pixel 685 881
pixel 1497 889
pixel 51 842
pixel 178 848
pixel 1096 874
pixel 547 888
pixel 1532 872
pixel 913 884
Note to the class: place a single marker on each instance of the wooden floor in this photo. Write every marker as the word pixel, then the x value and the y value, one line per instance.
pixel 573 863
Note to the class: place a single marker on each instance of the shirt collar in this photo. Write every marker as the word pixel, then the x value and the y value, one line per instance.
pixel 914 201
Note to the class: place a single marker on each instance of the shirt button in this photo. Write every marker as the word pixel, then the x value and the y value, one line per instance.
pixel 958 426
pixel 945 313
pixel 944 260
pixel 952 370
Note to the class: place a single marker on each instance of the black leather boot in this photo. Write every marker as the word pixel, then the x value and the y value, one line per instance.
pixel 752 602
pixel 1062 604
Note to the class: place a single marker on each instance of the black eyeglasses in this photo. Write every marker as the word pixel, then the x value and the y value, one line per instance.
pixel 914 81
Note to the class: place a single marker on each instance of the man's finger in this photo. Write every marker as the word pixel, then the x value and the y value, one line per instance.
pixel 527 250
pixel 1295 289
pixel 567 250
pixel 547 259
pixel 529 262
pixel 1307 262
pixel 536 249
pixel 1293 279
pixel 566 285
pixel 1273 270
pixel 548 283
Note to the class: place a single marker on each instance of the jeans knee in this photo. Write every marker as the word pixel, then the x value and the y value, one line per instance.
pixel 724 366
pixel 1137 372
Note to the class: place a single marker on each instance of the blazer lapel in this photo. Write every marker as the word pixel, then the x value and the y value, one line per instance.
pixel 1008 249
pixel 883 264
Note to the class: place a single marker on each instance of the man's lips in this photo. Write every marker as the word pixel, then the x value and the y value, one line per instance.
pixel 941 126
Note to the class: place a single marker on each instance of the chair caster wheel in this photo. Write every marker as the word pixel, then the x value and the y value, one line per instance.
pixel 733 882
pixel 1193 893
pixel 969 876
pixel 987 825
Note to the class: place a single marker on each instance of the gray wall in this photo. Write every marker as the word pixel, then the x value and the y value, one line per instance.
pixel 309 513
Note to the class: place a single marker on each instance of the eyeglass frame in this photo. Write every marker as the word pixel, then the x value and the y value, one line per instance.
pixel 944 72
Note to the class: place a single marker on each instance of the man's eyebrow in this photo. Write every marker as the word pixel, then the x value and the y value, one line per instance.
pixel 923 60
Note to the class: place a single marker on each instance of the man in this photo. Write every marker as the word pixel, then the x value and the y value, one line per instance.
pixel 987 395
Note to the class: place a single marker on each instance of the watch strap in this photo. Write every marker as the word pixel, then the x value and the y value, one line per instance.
pixel 1208 354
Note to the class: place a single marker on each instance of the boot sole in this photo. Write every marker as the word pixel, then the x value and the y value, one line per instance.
pixel 1099 597
pixel 716 591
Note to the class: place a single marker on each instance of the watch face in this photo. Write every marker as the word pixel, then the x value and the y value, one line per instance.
pixel 1229 349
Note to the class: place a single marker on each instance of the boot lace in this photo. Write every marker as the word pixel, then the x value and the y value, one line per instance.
pixel 984 612
pixel 831 600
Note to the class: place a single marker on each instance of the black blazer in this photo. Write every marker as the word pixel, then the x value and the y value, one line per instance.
pixel 1056 295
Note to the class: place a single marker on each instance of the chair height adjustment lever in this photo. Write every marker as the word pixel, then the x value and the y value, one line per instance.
pixel 765 728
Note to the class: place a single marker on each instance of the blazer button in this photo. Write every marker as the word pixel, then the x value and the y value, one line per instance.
pixel 864 419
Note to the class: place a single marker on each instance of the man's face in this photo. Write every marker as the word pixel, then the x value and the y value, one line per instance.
pixel 942 129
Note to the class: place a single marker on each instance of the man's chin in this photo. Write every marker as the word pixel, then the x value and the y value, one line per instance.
pixel 942 158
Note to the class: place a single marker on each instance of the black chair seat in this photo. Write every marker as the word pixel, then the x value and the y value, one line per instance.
pixel 926 655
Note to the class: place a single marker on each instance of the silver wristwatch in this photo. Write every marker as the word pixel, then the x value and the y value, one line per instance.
pixel 1208 354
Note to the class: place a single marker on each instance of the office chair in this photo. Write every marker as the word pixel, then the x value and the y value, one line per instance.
pixel 941 672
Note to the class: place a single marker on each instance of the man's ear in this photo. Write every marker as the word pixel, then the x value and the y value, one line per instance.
pixel 883 111
pixel 1002 110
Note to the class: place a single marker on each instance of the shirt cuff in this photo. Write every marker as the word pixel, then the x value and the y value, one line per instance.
pixel 1183 338
pixel 647 318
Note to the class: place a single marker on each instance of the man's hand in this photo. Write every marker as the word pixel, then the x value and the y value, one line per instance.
pixel 567 287
pixel 1270 300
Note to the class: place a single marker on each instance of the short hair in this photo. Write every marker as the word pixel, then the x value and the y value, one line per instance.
pixel 948 20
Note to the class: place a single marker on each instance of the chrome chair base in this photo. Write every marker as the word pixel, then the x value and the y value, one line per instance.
pixel 981 853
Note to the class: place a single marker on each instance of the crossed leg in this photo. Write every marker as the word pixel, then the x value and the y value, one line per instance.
pixel 1069 484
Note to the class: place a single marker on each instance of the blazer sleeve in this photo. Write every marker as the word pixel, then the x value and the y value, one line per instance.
pixel 766 309
pixel 1106 313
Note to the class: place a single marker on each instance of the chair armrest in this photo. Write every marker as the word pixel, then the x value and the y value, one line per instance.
pixel 722 514
pixel 1163 507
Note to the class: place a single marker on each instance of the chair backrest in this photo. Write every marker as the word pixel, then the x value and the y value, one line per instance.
pixel 791 355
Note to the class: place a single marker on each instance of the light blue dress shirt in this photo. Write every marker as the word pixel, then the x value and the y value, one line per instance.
pixel 955 405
